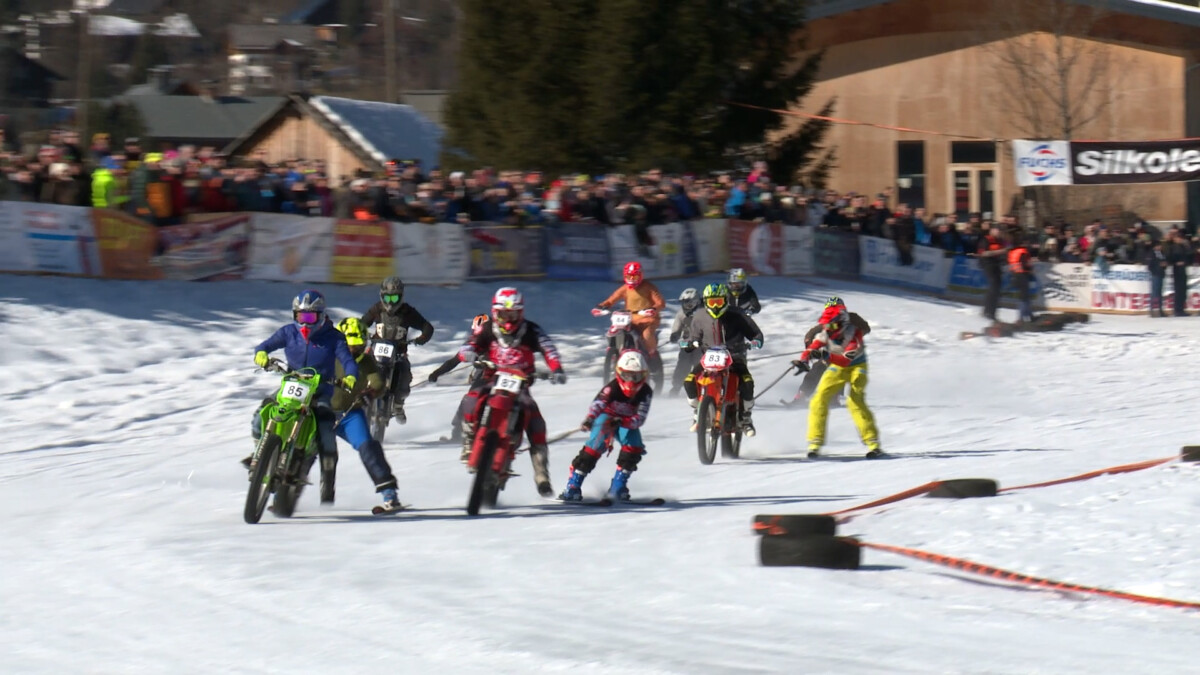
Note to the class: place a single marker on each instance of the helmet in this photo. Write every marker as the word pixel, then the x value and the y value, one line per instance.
pixel 631 371
pixel 633 274
pixel 308 311
pixel 716 299
pixel 356 335
pixel 737 280
pixel 834 301
pixel 834 320
pixel 478 323
pixel 689 299
pixel 391 292
pixel 508 311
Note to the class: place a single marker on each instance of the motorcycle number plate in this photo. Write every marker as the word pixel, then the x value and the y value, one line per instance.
pixel 296 391
pixel 716 358
pixel 384 350
pixel 509 383
pixel 621 320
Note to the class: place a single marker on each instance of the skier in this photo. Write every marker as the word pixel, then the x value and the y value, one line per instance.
pixel 394 318
pixel 744 296
pixel 847 364
pixel 725 325
pixel 311 341
pixel 644 301
pixel 821 362
pixel 480 323
pixel 681 330
pixel 618 412
pixel 512 340
pixel 352 425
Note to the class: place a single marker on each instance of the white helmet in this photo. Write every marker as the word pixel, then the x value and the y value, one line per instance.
pixel 689 299
pixel 631 371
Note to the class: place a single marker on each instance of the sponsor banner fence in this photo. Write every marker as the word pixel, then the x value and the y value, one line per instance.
pixel 290 248
pixel 712 244
pixel 967 282
pixel 1106 162
pixel 798 250
pixel 577 251
pixel 504 251
pixel 880 263
pixel 362 251
pixel 673 253
pixel 756 247
pixel 835 253
pixel 49 238
pixel 127 245
pixel 1066 287
pixel 211 250
pixel 428 254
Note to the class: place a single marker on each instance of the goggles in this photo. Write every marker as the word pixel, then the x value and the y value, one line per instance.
pixel 508 315
pixel 391 298
pixel 833 327
pixel 715 302
pixel 629 376
pixel 307 318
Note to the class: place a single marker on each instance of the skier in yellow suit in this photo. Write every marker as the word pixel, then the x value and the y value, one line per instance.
pixel 847 363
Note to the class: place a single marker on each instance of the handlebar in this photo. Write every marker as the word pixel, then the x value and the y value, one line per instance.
pixel 538 375
pixel 280 366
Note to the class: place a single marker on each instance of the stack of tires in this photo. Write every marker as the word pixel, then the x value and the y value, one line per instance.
pixel 805 540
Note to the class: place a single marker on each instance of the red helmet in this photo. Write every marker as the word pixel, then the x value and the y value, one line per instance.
pixel 508 310
pixel 478 323
pixel 633 274
pixel 631 371
pixel 834 319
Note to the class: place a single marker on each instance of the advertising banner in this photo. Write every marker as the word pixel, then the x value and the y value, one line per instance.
pixel 15 255
pixel 1106 162
pixel 712 244
pixel 835 253
pixel 287 247
pixel 673 253
pixel 212 250
pixel 428 253
pixel 577 251
pixel 504 251
pixel 798 250
pixel 879 262
pixel 756 247
pixel 1066 287
pixel 967 282
pixel 127 245
pixel 58 239
pixel 362 251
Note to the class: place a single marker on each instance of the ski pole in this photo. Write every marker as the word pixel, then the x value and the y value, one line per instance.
pixel 774 382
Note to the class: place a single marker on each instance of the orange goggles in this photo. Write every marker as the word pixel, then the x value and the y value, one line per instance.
pixel 715 302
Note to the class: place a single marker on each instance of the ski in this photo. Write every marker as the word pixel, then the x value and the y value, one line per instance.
pixel 382 510
pixel 607 501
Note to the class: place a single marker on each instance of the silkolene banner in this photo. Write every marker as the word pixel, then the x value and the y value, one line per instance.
pixel 1106 162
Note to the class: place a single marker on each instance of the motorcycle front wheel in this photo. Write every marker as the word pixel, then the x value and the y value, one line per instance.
pixel 263 479
pixel 483 469
pixel 706 432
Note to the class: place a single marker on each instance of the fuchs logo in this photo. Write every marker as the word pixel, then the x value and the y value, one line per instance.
pixel 1043 163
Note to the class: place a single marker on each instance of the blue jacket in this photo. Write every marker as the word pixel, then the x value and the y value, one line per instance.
pixel 320 352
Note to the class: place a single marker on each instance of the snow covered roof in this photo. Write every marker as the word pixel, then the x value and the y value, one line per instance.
pixel 384 130
pixel 1152 9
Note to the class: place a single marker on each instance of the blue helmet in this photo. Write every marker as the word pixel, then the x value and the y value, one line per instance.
pixel 308 309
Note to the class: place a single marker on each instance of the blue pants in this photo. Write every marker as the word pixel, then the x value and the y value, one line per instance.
pixel 626 437
pixel 1156 294
pixel 352 428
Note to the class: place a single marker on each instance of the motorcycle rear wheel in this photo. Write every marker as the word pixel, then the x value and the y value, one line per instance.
pixel 731 436
pixel 288 492
pixel 262 483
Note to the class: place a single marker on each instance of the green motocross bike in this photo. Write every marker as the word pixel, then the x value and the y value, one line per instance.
pixel 288 445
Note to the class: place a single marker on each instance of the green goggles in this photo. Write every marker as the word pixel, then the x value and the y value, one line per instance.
pixel 391 298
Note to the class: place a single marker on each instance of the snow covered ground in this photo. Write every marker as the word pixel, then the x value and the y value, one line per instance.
pixel 125 409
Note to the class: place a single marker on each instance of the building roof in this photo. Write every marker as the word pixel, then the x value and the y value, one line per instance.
pixel 305 12
pixel 384 130
pixel 133 7
pixel 1151 9
pixel 218 119
pixel 267 35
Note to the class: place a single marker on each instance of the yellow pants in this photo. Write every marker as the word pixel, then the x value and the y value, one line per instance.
pixel 832 382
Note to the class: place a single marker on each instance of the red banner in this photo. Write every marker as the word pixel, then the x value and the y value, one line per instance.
pixel 212 250
pixel 362 252
pixel 756 247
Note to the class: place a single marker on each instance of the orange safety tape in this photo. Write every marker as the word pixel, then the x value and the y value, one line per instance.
pixel 771 527
pixel 899 496
pixel 839 120
pixel 1017 577
pixel 1124 468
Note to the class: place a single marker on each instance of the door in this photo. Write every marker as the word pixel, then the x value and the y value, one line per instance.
pixel 973 189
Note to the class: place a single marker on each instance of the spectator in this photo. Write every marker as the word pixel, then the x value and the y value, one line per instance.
pixel 1156 263
pixel 1179 256
pixel 991 253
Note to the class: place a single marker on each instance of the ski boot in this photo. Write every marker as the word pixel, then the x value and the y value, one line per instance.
pixel 695 415
pixel 874 451
pixel 391 501
pixel 619 489
pixel 328 477
pixel 748 422
pixel 814 449
pixel 539 455
pixel 574 490
pixel 398 412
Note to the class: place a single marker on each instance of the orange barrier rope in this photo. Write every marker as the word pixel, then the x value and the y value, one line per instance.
pixel 1017 577
pixel 899 496
pixel 1124 468
pixel 839 120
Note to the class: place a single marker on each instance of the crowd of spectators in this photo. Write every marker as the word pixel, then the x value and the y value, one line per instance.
pixel 165 187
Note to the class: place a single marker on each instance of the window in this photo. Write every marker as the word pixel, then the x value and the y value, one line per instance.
pixel 972 152
pixel 910 173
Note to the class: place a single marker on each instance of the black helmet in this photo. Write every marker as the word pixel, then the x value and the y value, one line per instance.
pixel 391 292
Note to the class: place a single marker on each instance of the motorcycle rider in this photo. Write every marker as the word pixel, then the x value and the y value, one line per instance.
pixel 395 318
pixel 723 324
pixel 512 341
pixel 847 364
pixel 645 303
pixel 480 323
pixel 743 294
pixel 681 329
pixel 821 362
pixel 620 411
pixel 352 426
pixel 311 341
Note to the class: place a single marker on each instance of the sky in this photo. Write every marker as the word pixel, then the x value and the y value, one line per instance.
pixel 126 410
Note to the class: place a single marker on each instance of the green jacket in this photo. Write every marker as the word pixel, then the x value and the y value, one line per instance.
pixel 368 377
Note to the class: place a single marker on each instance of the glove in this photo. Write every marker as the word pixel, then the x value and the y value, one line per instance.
pixel 433 376
pixel 800 366
pixel 597 311
pixel 586 425
pixel 349 381
pixel 650 311
pixel 558 377
pixel 423 339
pixel 261 359
pixel 756 343
pixel 805 356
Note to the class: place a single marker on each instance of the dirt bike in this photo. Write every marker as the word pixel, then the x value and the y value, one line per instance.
pixel 498 435
pixel 623 335
pixel 288 445
pixel 389 355
pixel 718 407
